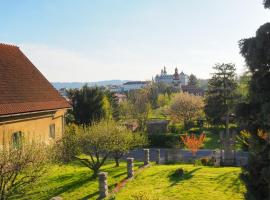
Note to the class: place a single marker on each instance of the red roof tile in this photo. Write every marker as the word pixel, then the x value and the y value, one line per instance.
pixel 22 87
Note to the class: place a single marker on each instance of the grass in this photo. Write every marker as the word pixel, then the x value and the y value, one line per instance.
pixel 73 181
pixel 159 182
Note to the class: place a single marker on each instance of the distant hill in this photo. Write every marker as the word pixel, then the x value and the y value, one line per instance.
pixel 59 85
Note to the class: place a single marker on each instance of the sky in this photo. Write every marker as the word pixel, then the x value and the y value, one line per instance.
pixel 93 40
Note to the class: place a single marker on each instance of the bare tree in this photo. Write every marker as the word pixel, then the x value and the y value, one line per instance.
pixel 20 167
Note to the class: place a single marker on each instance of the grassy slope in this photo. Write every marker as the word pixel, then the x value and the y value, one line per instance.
pixel 73 181
pixel 157 182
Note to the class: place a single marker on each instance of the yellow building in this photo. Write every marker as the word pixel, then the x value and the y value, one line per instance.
pixel 30 108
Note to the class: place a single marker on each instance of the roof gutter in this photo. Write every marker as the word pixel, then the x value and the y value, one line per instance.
pixel 29 113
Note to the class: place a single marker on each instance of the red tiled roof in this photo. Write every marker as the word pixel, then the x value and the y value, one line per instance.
pixel 22 87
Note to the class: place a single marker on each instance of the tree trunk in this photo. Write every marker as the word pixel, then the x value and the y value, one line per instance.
pixel 116 161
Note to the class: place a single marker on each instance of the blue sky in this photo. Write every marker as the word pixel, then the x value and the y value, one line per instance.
pixel 90 40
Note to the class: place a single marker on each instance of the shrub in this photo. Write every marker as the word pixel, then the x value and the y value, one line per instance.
pixel 193 143
pixel 164 140
pixel 207 161
pixel 179 172
pixel 67 147
pixel 20 167
pixel 198 162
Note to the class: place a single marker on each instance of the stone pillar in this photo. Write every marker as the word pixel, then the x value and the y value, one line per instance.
pixel 103 186
pixel 166 156
pixel 130 171
pixel 158 157
pixel 216 158
pixel 146 156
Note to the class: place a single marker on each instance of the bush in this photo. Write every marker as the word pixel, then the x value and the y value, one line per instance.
pixel 67 148
pixel 207 161
pixel 164 140
pixel 179 172
pixel 20 167
pixel 197 163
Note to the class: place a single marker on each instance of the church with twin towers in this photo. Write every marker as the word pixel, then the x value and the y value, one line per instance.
pixel 176 79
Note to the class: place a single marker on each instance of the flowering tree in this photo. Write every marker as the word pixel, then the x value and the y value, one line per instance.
pixel 192 142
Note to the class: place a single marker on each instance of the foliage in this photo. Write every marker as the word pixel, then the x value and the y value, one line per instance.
pixel 124 140
pixel 66 149
pixel 256 112
pixel 87 104
pixel 256 174
pixel 163 100
pixel 164 140
pixel 103 139
pixel 243 86
pixel 266 3
pixel 207 161
pixel 185 107
pixel 221 94
pixel 111 107
pixel 192 142
pixel 20 167
pixel 96 142
pixel 193 81
pixel 137 107
pixel 179 172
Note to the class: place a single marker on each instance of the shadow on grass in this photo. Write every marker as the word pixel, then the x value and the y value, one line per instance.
pixel 228 182
pixel 81 180
pixel 175 178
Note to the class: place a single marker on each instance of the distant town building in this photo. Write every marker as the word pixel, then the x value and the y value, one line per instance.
pixel 134 85
pixel 175 79
pixel 115 88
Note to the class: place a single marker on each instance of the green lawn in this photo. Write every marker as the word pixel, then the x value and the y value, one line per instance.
pixel 158 183
pixel 73 181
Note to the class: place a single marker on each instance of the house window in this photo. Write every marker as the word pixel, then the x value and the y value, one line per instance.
pixel 52 131
pixel 17 139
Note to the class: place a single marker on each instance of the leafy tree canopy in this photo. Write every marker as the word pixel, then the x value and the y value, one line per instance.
pixel 87 104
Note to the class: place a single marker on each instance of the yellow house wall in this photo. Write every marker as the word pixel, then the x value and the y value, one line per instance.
pixel 34 128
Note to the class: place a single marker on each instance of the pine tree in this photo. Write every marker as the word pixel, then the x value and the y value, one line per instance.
pixel 256 112
pixel 221 94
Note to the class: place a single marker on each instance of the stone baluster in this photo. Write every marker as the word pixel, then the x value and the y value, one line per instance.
pixel 146 156
pixel 103 185
pixel 166 156
pixel 158 157
pixel 130 171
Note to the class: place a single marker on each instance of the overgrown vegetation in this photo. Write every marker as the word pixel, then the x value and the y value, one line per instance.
pixel 20 167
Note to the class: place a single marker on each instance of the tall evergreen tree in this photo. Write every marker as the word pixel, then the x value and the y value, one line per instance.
pixel 221 94
pixel 193 81
pixel 256 112
pixel 87 104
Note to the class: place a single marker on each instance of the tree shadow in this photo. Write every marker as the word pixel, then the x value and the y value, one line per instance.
pixel 68 187
pixel 224 178
pixel 175 179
